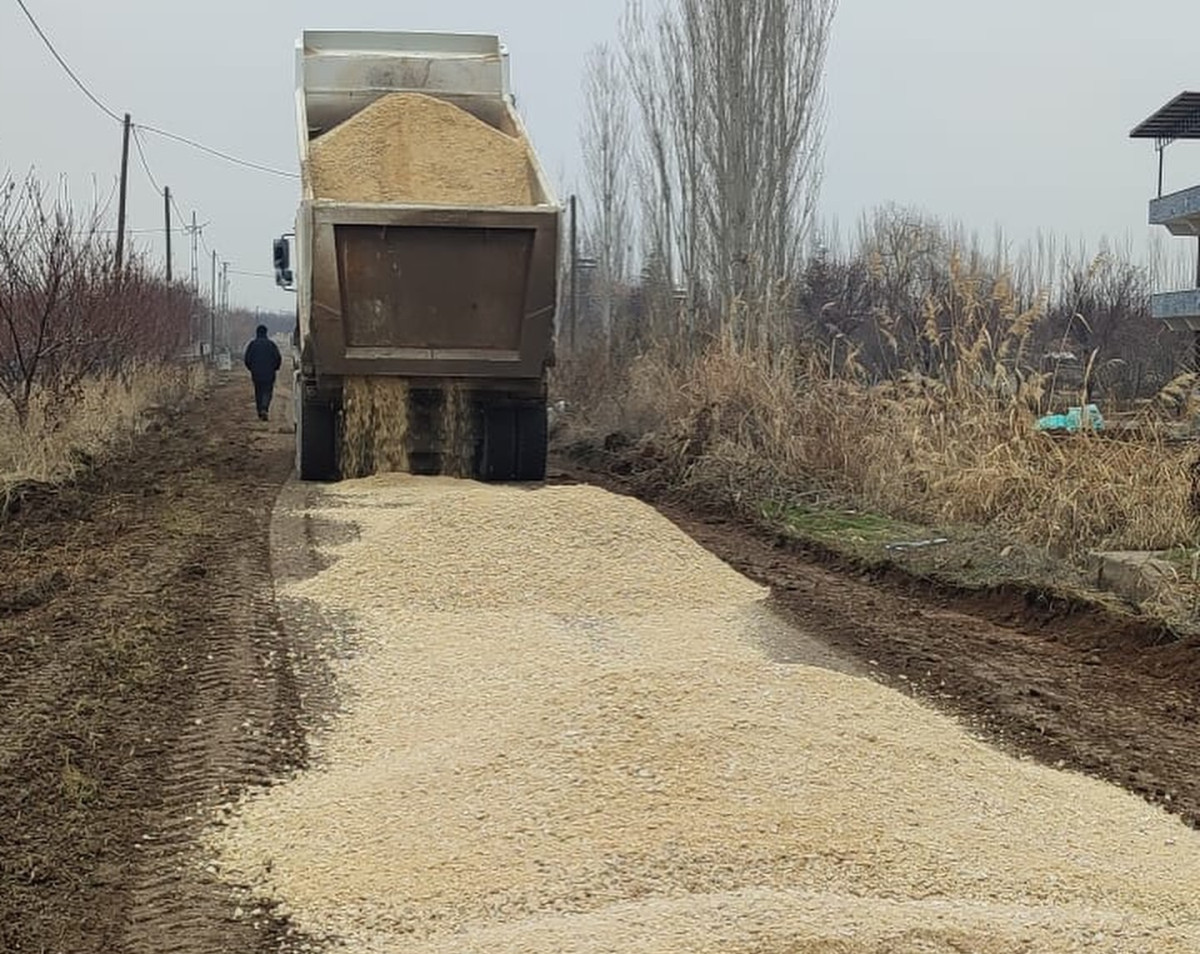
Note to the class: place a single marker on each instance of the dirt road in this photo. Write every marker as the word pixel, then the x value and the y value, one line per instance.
pixel 145 680
pixel 142 676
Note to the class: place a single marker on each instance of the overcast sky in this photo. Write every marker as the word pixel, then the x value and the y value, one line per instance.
pixel 1013 114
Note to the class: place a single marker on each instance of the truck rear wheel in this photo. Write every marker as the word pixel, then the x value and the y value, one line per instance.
pixel 316 440
pixel 498 458
pixel 532 441
pixel 514 442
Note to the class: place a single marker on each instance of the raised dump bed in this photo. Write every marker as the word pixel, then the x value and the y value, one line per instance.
pixel 427 261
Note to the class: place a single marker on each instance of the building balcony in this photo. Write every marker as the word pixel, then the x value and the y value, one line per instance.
pixel 1179 211
pixel 1180 310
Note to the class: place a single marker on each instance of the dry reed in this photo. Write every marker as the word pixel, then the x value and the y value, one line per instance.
pixel 951 438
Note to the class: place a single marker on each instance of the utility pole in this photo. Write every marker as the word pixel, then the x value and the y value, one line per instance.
pixel 212 320
pixel 574 310
pixel 225 302
pixel 121 205
pixel 167 210
pixel 194 232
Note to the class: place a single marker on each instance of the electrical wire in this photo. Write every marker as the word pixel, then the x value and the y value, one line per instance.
pixel 137 141
pixel 178 211
pixel 271 170
pixel 84 233
pixel 63 63
pixel 150 129
pixel 137 129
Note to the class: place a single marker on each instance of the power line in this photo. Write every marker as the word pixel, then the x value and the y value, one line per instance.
pixel 185 229
pixel 63 63
pixel 84 233
pixel 137 141
pixel 157 231
pixel 178 211
pixel 219 154
pixel 151 129
pixel 140 145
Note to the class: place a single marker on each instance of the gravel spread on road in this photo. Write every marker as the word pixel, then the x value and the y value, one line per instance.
pixel 561 733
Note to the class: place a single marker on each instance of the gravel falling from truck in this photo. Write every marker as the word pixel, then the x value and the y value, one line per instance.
pixel 561 734
pixel 377 428
pixel 374 426
pixel 458 431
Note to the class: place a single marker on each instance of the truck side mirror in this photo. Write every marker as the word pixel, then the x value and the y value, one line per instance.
pixel 283 269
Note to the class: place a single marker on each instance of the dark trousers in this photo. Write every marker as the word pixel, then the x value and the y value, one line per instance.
pixel 263 390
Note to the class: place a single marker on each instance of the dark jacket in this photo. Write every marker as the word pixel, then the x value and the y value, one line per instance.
pixel 263 359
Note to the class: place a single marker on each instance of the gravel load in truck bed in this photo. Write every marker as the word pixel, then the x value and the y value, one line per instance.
pixel 409 147
pixel 561 732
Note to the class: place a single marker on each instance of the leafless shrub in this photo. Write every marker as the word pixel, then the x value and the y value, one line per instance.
pixel 66 314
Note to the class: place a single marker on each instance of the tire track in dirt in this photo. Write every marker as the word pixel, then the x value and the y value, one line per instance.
pixel 152 686
pixel 230 739
pixel 239 732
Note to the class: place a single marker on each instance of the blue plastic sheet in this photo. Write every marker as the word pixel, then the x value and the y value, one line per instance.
pixel 1075 420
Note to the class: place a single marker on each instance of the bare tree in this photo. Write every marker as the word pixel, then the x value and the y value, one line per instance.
pixel 653 162
pixel 65 313
pixel 37 257
pixel 606 141
pixel 665 91
pixel 730 98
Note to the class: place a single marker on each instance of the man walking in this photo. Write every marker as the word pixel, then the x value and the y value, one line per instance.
pixel 263 361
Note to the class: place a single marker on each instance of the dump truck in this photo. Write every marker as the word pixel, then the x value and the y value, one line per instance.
pixel 453 296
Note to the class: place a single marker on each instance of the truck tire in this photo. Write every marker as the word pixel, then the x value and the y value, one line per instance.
pixel 316 441
pixel 498 459
pixel 532 442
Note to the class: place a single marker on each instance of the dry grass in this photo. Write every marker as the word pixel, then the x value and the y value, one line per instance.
pixel 952 445
pixel 65 434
